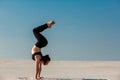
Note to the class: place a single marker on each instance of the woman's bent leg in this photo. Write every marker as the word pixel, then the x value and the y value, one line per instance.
pixel 39 29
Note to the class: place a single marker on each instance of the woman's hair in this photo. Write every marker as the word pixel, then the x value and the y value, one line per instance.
pixel 46 58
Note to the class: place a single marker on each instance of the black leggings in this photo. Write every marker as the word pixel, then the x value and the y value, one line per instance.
pixel 41 40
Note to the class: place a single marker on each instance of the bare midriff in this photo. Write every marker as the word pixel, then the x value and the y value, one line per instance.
pixel 35 49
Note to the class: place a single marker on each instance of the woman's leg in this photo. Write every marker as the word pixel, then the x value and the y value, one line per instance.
pixel 42 41
pixel 39 29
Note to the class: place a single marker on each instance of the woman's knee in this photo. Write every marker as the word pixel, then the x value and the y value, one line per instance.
pixel 34 30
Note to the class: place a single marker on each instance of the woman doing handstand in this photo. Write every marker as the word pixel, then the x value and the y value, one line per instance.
pixel 36 50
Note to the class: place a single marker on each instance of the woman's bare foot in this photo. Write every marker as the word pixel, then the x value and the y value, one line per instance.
pixel 50 23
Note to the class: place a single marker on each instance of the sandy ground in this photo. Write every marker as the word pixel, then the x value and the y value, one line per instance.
pixel 74 70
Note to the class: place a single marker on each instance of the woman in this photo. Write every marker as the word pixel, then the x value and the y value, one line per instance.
pixel 36 50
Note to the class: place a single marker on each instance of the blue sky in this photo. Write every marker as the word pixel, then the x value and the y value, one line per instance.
pixel 84 29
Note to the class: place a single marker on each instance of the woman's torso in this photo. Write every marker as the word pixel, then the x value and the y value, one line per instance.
pixel 35 49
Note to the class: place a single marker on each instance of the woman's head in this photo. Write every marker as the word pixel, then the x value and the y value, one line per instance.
pixel 46 59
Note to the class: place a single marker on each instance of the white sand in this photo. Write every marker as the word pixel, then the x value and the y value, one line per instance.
pixel 18 69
